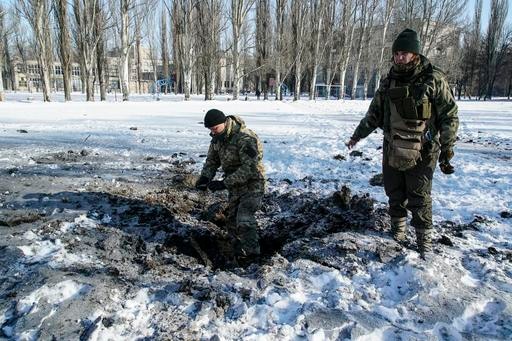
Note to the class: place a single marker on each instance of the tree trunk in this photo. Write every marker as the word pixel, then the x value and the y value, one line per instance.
pixel 3 45
pixel 1 71
pixel 41 42
pixel 343 72
pixel 299 19
pixel 495 45
pixel 186 46
pixel 138 47
pixel 388 13
pixel 164 50
pixel 348 24
pixel 124 71
pixel 280 15
pixel 318 14
pixel 90 85
pixel 239 10
pixel 11 67
pixel 262 44
pixel 64 46
pixel 360 45
pixel 100 51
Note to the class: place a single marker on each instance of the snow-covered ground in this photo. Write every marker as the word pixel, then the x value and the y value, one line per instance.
pixel 464 293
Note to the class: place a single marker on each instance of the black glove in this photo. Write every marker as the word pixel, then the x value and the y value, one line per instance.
pixel 446 155
pixel 202 183
pixel 444 161
pixel 216 186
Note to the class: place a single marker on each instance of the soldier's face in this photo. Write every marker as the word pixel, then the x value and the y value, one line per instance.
pixel 403 57
pixel 219 128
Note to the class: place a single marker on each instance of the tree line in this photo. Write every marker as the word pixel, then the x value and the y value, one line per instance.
pixel 267 45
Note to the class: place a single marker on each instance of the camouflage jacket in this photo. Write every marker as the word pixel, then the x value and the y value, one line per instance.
pixel 240 154
pixel 443 124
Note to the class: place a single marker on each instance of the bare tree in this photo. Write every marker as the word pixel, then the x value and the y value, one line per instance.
pixel 239 11
pixel 21 42
pixel 154 40
pixel 474 44
pixel 3 46
pixel 62 18
pixel 184 23
pixel 367 9
pixel 87 35
pixel 124 71
pixel 138 52
pixel 438 15
pixel 318 8
pixel 385 17
pixel 127 15
pixel 9 66
pixel 209 12
pixel 369 59
pixel 36 12
pixel 100 27
pixel 496 44
pixel 432 19
pixel 408 13
pixel 279 44
pixel 262 46
pixel 164 44
pixel 509 74
pixel 176 51
pixel 347 27
pixel 300 17
pixel 330 48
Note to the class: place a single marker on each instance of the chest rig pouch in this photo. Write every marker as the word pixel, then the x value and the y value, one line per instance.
pixel 410 110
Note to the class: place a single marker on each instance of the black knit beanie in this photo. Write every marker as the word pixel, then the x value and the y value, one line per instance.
pixel 214 117
pixel 407 41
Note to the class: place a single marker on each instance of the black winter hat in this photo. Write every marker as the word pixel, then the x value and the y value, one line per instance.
pixel 214 117
pixel 407 41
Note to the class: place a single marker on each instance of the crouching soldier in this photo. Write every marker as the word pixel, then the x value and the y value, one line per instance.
pixel 239 152
pixel 415 108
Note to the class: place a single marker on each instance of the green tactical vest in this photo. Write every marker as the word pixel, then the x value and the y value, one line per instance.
pixel 410 109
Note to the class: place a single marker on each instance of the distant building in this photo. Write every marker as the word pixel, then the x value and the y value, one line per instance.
pixel 27 76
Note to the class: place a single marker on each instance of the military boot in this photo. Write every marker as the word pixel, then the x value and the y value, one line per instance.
pixel 424 242
pixel 398 228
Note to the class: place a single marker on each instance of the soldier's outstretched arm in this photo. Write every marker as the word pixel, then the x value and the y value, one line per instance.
pixel 447 114
pixel 447 123
pixel 371 121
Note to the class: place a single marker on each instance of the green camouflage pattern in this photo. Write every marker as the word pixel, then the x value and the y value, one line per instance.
pixel 240 155
pixel 242 223
pixel 443 125
pixel 411 189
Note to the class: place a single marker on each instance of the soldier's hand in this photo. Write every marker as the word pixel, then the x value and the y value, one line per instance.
pixel 216 186
pixel 447 168
pixel 202 183
pixel 444 161
pixel 351 143
pixel 446 155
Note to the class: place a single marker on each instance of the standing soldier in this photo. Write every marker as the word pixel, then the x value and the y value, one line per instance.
pixel 239 152
pixel 415 108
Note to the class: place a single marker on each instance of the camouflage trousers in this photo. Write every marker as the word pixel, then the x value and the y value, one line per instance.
pixel 242 226
pixel 411 190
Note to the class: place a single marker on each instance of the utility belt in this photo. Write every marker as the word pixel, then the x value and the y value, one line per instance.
pixel 410 111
